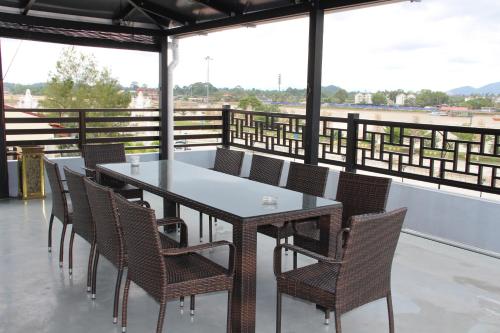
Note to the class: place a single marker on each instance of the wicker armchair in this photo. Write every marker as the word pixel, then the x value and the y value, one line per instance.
pixel 109 236
pixel 359 194
pixel 83 225
pixel 360 274
pixel 168 273
pixel 305 178
pixel 229 162
pixel 61 205
pixel 266 170
pixel 109 153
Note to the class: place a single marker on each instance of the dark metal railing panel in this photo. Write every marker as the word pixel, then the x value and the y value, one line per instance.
pixel 274 133
pixel 447 155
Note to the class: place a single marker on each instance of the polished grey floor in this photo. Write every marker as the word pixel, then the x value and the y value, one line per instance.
pixel 436 288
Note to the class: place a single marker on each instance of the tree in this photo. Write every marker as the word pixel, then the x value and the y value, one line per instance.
pixel 379 98
pixel 340 96
pixel 478 103
pixel 78 82
pixel 432 98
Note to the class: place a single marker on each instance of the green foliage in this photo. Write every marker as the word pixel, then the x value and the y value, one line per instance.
pixel 379 98
pixel 19 89
pixel 256 105
pixel 478 103
pixel 432 98
pixel 78 82
pixel 341 96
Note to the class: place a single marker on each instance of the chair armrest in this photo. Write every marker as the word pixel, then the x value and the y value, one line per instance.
pixel 307 253
pixel 201 247
pixel 89 172
pixel 175 220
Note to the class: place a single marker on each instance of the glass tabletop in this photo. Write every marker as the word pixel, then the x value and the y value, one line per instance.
pixel 234 195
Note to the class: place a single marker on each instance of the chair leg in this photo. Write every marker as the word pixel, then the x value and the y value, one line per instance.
pixel 294 260
pixel 71 240
pixel 391 313
pixel 327 316
pixel 191 305
pixel 182 301
pixel 50 232
pixel 201 227
pixel 89 267
pixel 229 301
pixel 94 273
pixel 161 317
pixel 117 295
pixel 215 221
pixel 278 311
pixel 124 304
pixel 61 246
pixel 286 242
pixel 210 227
pixel 338 327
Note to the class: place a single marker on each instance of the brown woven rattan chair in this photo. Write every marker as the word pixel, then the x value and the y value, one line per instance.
pixel 109 235
pixel 305 178
pixel 359 194
pixel 83 225
pixel 61 204
pixel 109 153
pixel 168 273
pixel 360 274
pixel 266 170
pixel 229 162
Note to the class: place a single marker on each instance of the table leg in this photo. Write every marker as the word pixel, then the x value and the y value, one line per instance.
pixel 243 304
pixel 169 210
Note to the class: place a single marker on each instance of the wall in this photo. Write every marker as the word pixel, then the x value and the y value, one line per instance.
pixel 474 222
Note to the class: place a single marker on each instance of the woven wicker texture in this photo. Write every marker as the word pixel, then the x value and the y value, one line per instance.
pixel 60 205
pixel 228 161
pixel 305 178
pixel 83 224
pixel 266 170
pixel 170 273
pixel 109 153
pixel 361 275
pixel 359 194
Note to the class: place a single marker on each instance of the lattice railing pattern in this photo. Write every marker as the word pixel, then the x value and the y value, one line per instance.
pixel 274 133
pixel 333 140
pixel 448 155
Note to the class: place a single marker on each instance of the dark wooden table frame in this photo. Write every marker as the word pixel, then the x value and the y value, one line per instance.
pixel 245 241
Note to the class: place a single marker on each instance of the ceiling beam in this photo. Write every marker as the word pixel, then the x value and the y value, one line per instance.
pixel 220 7
pixel 77 25
pixel 138 5
pixel 124 13
pixel 151 8
pixel 27 7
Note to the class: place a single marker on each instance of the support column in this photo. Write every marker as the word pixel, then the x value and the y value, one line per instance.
pixel 169 207
pixel 163 98
pixel 314 67
pixel 4 176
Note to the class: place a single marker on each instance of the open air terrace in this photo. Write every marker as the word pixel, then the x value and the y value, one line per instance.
pixel 221 219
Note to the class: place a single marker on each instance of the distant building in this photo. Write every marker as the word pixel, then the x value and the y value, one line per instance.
pixel 401 99
pixel 363 98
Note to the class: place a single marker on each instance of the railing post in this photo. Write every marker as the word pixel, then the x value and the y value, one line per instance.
pixel 352 142
pixel 82 129
pixel 226 120
pixel 4 174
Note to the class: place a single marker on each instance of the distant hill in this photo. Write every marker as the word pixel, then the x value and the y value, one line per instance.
pixel 19 89
pixel 493 88
pixel 330 89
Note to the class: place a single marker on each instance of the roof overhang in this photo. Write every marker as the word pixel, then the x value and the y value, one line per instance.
pixel 139 24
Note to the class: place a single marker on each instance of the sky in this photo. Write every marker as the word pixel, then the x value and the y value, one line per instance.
pixel 432 44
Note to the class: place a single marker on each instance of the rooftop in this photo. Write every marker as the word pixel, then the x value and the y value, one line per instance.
pixel 436 288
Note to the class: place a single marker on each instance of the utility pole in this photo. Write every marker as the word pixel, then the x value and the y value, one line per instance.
pixel 208 58
pixel 279 82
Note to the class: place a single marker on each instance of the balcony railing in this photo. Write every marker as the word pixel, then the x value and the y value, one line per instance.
pixel 463 157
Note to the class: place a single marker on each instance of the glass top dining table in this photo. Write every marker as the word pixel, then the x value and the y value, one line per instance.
pixel 243 203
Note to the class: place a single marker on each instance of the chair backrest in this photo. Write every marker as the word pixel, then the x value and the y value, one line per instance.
pixel 361 194
pixel 228 161
pixel 109 237
pixel 146 266
pixel 365 274
pixel 305 178
pixel 59 199
pixel 94 154
pixel 266 170
pixel 82 217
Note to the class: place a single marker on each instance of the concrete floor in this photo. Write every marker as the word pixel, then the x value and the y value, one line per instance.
pixel 436 288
